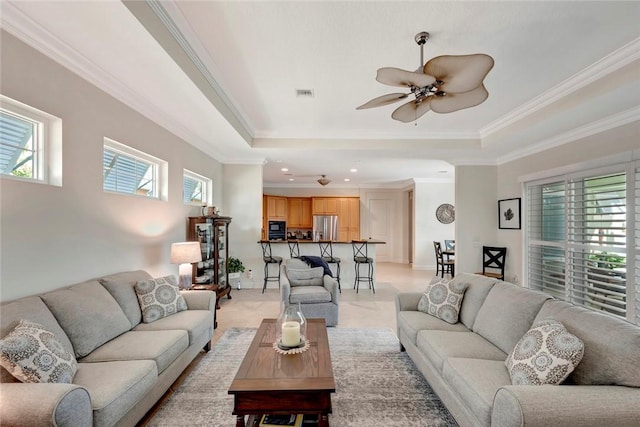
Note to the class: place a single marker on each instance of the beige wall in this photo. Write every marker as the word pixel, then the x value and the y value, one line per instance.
pixel 56 236
pixel 476 215
pixel 243 202
pixel 427 198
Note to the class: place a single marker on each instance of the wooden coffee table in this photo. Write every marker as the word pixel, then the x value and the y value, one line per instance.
pixel 272 383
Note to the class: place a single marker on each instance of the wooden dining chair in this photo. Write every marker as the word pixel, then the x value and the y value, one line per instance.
pixel 443 265
pixel 493 261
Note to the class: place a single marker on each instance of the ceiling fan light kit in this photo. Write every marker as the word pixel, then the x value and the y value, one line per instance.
pixel 324 180
pixel 444 84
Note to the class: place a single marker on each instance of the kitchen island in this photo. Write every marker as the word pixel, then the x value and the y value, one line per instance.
pixel 341 249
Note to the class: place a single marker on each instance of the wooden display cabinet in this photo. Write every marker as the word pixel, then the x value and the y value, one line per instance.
pixel 213 234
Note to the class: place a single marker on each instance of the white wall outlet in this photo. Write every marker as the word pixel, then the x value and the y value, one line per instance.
pixel 515 279
pixel 250 274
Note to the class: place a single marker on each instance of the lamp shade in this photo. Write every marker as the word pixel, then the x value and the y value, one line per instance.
pixel 185 253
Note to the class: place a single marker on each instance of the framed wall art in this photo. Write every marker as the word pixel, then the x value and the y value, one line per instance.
pixel 509 217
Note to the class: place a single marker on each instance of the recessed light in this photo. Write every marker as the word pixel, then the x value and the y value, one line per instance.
pixel 353 170
pixel 285 169
pixel 442 171
pixel 291 179
pixel 347 180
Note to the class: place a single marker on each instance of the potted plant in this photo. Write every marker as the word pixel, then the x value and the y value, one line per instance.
pixel 236 268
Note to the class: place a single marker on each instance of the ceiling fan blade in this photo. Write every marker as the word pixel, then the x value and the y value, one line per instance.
pixel 383 100
pixel 411 111
pixel 403 78
pixel 460 73
pixel 458 101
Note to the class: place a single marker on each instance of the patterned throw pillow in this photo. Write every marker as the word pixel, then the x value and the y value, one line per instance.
pixel 159 298
pixel 33 354
pixel 443 299
pixel 546 354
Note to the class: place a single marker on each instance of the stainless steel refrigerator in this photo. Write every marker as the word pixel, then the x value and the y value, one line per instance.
pixel 325 227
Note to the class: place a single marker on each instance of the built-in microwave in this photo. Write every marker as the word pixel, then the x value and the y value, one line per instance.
pixel 277 230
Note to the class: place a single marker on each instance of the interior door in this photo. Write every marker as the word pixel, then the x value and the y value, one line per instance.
pixel 380 226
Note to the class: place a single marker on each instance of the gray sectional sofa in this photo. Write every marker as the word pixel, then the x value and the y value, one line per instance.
pixel 123 365
pixel 465 362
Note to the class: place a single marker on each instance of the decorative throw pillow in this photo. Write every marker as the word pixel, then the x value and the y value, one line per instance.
pixel 33 354
pixel 159 298
pixel 443 299
pixel 546 354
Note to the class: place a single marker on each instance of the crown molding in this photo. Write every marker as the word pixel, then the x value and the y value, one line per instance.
pixel 594 128
pixel 170 16
pixel 17 23
pixel 605 66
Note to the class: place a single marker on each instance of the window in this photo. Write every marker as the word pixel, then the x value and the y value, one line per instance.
pixel 129 171
pixel 30 143
pixel 196 189
pixel 579 239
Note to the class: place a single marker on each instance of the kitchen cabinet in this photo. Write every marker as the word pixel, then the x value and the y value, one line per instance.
pixel 324 205
pixel 299 213
pixel 213 234
pixel 348 218
pixel 276 208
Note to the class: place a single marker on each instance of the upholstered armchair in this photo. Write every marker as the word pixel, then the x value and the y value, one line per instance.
pixel 316 291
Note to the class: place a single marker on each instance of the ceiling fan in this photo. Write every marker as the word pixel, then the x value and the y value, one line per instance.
pixel 444 84
pixel 323 180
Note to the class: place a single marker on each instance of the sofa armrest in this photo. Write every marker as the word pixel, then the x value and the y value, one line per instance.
pixel 408 301
pixel 551 405
pixel 285 290
pixel 200 300
pixel 35 404
pixel 331 284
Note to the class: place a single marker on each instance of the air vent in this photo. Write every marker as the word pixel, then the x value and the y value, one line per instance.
pixel 304 93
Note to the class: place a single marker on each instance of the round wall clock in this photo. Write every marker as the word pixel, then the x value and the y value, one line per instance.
pixel 445 213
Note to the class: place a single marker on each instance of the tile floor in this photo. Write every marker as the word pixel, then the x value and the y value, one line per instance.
pixel 249 305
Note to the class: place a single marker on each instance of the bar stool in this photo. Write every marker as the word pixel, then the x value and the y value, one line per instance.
pixel 360 257
pixel 269 259
pixel 326 253
pixel 294 248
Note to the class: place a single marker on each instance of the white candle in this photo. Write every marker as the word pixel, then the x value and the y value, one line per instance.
pixel 290 334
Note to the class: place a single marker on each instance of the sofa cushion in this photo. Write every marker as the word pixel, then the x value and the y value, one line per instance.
pixel 195 322
pixel 611 345
pixel 115 387
pixel 438 346
pixel 305 276
pixel 442 299
pixel 478 287
pixel 88 314
pixel 507 313
pixel 412 322
pixel 546 354
pixel 476 381
pixel 309 294
pixel 159 298
pixel 120 286
pixel 163 347
pixel 33 354
pixel 34 310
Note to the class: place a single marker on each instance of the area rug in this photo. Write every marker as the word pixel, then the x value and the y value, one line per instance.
pixel 376 384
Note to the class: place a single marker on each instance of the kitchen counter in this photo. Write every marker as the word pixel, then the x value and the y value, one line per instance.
pixel 335 242
pixel 341 249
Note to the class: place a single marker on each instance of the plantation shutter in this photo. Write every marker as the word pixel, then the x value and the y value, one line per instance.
pixel 546 235
pixel 583 238
pixel 596 242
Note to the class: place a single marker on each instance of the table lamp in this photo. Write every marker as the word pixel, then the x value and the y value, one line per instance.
pixel 185 253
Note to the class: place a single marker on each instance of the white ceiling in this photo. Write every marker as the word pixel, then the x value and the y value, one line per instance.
pixel 562 70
